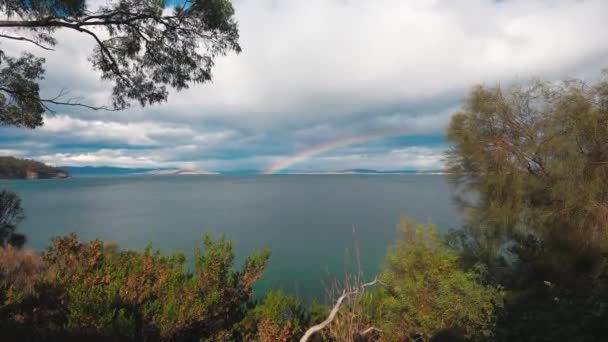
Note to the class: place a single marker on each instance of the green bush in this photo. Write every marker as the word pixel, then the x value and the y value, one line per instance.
pixel 95 290
pixel 425 291
pixel 278 317
pixel 77 290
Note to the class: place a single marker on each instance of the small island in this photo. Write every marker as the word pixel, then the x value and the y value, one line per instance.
pixel 16 168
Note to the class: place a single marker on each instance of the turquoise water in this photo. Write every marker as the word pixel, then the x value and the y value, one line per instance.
pixel 310 222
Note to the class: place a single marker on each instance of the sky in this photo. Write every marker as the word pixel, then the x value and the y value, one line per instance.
pixel 320 85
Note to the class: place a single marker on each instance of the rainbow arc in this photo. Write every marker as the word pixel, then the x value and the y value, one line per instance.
pixel 301 156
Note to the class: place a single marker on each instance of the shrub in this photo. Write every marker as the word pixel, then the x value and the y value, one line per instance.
pixel 100 291
pixel 279 317
pixel 425 291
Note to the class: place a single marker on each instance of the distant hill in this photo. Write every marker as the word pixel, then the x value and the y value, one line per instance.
pixel 83 171
pixel 379 172
pixel 15 168
pixel 242 172
pixel 177 172
pixel 370 172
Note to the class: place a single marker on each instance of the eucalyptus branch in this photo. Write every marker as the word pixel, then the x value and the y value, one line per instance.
pixel 139 47
pixel 26 40
pixel 55 101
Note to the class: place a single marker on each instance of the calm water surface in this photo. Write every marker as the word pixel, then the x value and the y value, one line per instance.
pixel 310 222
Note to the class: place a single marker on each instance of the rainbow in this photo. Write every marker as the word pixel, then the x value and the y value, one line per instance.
pixel 327 146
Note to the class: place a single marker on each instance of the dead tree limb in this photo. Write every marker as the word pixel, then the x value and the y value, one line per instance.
pixel 334 311
pixel 369 330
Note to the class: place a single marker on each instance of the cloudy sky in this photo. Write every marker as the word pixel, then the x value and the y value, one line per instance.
pixel 321 85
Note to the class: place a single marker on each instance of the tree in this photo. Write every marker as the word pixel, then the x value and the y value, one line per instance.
pixel 142 47
pixel 536 157
pixel 11 213
pixel 531 164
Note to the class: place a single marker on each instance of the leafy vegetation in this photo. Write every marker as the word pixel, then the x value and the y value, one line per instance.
pixel 536 155
pixel 142 47
pixel 531 165
pixel 279 317
pixel 11 214
pixel 75 290
pixel 95 290
pixel 15 168
pixel 425 292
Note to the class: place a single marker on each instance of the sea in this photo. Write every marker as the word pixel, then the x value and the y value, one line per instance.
pixel 321 229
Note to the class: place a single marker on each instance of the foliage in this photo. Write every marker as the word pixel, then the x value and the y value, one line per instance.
pixel 279 317
pixel 142 47
pixel 530 162
pixel 573 307
pixel 21 270
pixel 11 213
pixel 93 289
pixel 21 76
pixel 536 156
pixel 425 292
pixel 15 168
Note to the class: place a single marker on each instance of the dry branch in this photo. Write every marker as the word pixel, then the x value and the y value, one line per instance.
pixel 334 311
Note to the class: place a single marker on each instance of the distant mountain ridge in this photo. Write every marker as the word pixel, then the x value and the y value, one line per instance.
pixel 176 172
pixel 83 171
pixel 368 172
pixel 80 171
pixel 16 168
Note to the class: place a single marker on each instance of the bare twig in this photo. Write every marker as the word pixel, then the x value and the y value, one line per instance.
pixel 369 330
pixel 334 311
pixel 76 104
pixel 56 101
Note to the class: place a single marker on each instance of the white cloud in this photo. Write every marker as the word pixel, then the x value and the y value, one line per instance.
pixel 408 158
pixel 11 152
pixel 145 159
pixel 323 57
pixel 132 133
pixel 103 157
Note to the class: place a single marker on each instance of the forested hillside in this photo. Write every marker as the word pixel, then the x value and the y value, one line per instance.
pixel 15 168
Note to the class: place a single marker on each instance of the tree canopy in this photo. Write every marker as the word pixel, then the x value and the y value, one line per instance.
pixel 537 157
pixel 531 165
pixel 142 47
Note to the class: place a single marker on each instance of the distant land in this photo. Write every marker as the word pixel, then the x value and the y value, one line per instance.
pixel 177 172
pixel 367 172
pixel 84 171
pixel 15 168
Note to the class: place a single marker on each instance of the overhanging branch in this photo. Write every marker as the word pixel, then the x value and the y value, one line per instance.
pixel 26 40
pixel 147 49
pixel 55 101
